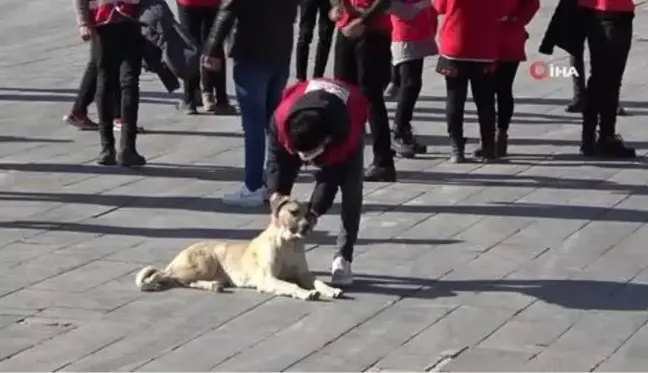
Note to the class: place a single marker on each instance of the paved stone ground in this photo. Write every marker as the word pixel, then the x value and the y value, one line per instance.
pixel 535 264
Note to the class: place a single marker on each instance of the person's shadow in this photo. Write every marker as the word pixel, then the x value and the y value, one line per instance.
pixel 573 294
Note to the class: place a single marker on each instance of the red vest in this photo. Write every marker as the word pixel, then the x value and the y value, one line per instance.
pixel 104 11
pixel 380 23
pixel 420 29
pixel 609 5
pixel 357 107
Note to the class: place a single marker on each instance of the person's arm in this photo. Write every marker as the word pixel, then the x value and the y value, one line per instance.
pixel 327 182
pixel 227 14
pixel 378 7
pixel 282 168
pixel 82 9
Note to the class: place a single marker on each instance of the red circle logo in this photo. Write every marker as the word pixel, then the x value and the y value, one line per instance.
pixel 539 70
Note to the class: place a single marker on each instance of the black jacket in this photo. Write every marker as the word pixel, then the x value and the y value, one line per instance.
pixel 263 33
pixel 282 167
pixel 566 30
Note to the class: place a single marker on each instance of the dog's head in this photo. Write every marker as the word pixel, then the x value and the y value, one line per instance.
pixel 290 218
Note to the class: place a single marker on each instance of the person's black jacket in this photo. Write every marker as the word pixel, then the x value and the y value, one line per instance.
pixel 282 167
pixel 263 34
pixel 566 30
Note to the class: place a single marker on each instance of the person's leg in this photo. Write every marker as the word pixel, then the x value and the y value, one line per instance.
pixel 326 28
pixel 578 62
pixel 214 81
pixel 307 18
pixel 456 94
pixel 106 51
pixel 345 67
pixel 129 74
pixel 616 33
pixel 504 79
pixel 391 91
pixel 78 116
pixel 482 84
pixel 403 142
pixel 373 64
pixel 190 19
pixel 593 88
pixel 351 212
pixel 251 81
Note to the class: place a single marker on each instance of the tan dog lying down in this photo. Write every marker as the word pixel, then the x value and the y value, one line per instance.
pixel 273 262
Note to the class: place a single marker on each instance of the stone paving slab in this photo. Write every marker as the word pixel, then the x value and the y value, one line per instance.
pixel 537 264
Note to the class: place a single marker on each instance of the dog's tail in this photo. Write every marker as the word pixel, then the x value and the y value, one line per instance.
pixel 150 279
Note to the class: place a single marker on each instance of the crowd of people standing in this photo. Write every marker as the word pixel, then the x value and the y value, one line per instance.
pixel 380 47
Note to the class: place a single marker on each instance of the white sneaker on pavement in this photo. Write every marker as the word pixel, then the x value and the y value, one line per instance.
pixel 246 198
pixel 341 274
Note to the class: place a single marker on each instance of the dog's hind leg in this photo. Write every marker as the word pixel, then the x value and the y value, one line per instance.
pixel 215 286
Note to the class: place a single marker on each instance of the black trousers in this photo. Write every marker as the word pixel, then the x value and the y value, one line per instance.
pixel 459 74
pixel 505 73
pixel 366 62
pixel 395 76
pixel 198 21
pixel 351 210
pixel 609 36
pixel 411 82
pixel 117 50
pixel 578 62
pixel 308 15
pixel 88 89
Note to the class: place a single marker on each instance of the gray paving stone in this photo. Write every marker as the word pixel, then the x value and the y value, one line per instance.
pixel 542 244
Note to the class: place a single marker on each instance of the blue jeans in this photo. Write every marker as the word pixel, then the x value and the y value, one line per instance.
pixel 258 91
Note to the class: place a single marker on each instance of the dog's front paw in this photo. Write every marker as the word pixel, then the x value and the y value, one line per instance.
pixel 310 295
pixel 335 293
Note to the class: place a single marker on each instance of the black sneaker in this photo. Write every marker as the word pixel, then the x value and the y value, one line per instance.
pixel 458 150
pixel 107 157
pixel 614 147
pixel 588 145
pixel 576 106
pixel 380 174
pixel 129 158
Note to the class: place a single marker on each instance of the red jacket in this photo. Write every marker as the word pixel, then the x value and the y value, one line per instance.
pixel 471 29
pixel 380 23
pixel 420 29
pixel 107 11
pixel 609 5
pixel 317 94
pixel 199 3
pixel 513 33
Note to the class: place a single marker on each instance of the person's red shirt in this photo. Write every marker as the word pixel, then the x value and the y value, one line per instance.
pixel 609 5
pixel 471 29
pixel 514 34
pixel 199 3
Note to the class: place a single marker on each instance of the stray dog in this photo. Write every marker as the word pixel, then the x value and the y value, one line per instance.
pixel 273 262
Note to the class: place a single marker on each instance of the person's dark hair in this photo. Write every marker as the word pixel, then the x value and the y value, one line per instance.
pixel 306 130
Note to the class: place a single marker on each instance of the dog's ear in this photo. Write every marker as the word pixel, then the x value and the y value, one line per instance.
pixel 277 204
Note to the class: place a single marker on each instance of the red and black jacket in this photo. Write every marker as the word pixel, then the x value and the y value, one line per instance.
pixel 345 109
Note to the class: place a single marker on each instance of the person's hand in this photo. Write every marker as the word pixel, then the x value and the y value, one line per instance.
pixel 335 14
pixel 211 63
pixel 354 29
pixel 85 33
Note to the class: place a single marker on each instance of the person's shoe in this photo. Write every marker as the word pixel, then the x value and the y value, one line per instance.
pixel 80 122
pixel 576 106
pixel 187 108
pixel 614 147
pixel 208 102
pixel 341 274
pixel 245 197
pixel 588 144
pixel 621 111
pixel 130 158
pixel 501 144
pixel 224 108
pixel 403 143
pixel 107 156
pixel 458 154
pixel 377 173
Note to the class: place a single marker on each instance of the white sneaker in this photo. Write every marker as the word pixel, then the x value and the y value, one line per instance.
pixel 245 198
pixel 341 274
